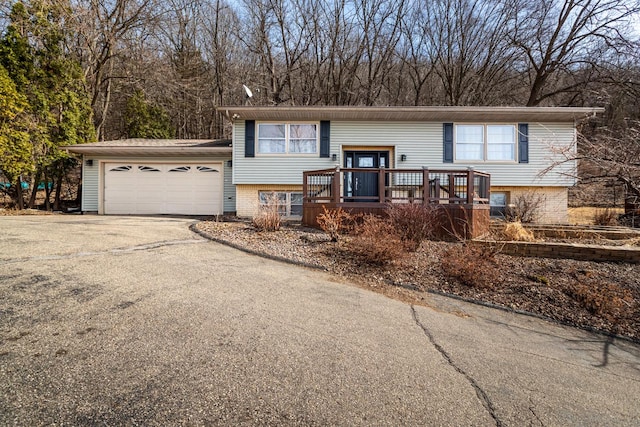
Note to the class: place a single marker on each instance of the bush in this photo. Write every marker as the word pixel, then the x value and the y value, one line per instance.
pixel 606 300
pixel 605 217
pixel 525 207
pixel 515 231
pixel 413 223
pixel 376 241
pixel 473 266
pixel 268 216
pixel 335 222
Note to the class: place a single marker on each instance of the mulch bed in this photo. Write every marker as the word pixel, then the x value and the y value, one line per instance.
pixel 593 295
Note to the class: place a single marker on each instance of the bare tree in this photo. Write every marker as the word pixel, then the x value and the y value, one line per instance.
pixel 102 27
pixel 567 37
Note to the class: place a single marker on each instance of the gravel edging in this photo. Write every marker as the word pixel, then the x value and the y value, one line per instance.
pixel 194 228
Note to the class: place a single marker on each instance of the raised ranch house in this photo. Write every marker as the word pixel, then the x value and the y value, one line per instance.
pixel 273 147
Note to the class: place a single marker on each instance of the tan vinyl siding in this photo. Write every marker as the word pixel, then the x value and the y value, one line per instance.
pixel 91 177
pixel 421 143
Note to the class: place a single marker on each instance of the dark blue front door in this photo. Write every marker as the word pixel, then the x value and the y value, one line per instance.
pixel 363 184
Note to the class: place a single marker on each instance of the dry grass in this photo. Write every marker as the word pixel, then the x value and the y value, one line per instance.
pixel 605 216
pixel 515 231
pixel 584 215
pixel 268 216
pixel 632 242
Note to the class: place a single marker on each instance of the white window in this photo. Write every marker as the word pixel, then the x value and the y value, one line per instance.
pixel 486 142
pixel 470 142
pixel 282 138
pixel 288 203
pixel 501 142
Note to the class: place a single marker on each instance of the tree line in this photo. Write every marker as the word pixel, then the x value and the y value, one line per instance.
pixel 158 68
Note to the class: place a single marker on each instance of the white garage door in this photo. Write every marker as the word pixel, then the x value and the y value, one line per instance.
pixel 177 188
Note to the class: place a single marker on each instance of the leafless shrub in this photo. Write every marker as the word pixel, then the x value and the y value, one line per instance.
pixel 268 216
pixel 376 241
pixel 515 231
pixel 525 207
pixel 605 217
pixel 607 300
pixel 335 222
pixel 472 265
pixel 413 222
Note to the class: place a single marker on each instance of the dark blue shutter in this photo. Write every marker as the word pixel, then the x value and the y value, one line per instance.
pixel 250 138
pixel 523 142
pixel 448 143
pixel 325 142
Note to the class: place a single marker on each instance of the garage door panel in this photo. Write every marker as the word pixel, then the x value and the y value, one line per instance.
pixel 138 188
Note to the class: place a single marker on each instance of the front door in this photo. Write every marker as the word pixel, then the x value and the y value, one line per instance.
pixel 363 184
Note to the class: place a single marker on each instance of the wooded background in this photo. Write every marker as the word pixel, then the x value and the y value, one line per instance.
pixel 158 68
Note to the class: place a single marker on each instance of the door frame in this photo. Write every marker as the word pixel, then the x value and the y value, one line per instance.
pixel 351 154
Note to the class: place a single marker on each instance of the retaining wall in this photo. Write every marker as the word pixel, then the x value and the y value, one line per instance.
pixel 569 250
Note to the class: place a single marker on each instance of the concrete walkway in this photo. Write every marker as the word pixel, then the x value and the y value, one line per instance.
pixel 124 320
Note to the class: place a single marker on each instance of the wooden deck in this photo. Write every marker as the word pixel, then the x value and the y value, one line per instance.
pixel 462 196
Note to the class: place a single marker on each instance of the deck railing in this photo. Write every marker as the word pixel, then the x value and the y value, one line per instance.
pixel 368 187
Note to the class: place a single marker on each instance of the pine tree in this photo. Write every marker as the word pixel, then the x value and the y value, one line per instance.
pixel 15 149
pixel 58 109
pixel 145 120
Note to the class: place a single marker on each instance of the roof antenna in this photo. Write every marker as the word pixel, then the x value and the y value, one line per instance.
pixel 249 95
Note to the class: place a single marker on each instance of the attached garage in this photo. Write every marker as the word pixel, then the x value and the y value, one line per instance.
pixel 150 177
pixel 156 188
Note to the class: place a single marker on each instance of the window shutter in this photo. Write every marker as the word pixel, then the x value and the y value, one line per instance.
pixel 250 138
pixel 325 143
pixel 523 142
pixel 448 143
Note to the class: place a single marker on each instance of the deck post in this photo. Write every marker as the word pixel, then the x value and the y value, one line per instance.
pixel 426 187
pixel 381 186
pixel 487 190
pixel 335 186
pixel 305 186
pixel 452 187
pixel 470 185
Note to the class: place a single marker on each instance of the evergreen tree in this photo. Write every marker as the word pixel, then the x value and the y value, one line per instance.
pixel 15 149
pixel 145 120
pixel 58 109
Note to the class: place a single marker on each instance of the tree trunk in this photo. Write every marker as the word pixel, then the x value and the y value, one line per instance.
pixel 19 195
pixel 34 190
pixel 58 190
pixel 47 191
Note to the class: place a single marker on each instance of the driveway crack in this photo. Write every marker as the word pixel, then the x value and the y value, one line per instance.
pixel 484 399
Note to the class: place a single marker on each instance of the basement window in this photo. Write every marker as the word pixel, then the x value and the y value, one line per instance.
pixel 289 203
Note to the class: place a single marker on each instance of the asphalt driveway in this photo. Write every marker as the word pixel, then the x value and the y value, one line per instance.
pixel 138 321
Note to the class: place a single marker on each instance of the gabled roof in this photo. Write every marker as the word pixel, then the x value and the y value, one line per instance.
pixel 158 147
pixel 422 114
